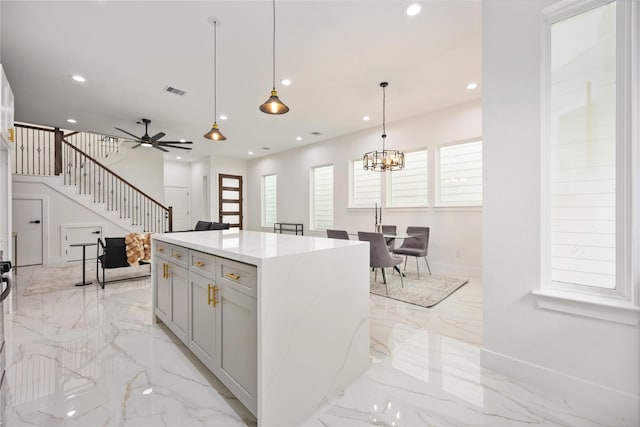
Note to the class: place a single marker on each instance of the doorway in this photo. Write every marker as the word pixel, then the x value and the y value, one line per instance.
pixel 178 199
pixel 230 200
pixel 27 223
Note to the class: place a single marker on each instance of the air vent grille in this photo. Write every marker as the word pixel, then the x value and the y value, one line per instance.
pixel 174 90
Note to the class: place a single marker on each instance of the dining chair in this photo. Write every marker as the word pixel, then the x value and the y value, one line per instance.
pixel 416 246
pixel 338 234
pixel 389 229
pixel 379 256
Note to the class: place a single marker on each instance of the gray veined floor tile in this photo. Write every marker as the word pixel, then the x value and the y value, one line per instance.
pixel 92 357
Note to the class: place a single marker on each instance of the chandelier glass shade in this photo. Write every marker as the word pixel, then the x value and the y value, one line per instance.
pixel 215 134
pixel 385 160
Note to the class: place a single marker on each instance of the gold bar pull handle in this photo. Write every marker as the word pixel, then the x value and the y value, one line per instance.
pixel 210 297
pixel 215 295
pixel 160 249
pixel 233 276
pixel 199 264
pixel 177 256
pixel 167 271
pixel 164 270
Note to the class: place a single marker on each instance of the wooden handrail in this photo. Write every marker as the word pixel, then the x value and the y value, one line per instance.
pixel 21 125
pixel 115 174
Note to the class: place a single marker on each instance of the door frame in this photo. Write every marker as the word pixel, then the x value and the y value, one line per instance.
pixel 221 200
pixel 45 221
pixel 179 187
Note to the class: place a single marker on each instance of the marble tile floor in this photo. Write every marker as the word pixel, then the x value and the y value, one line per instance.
pixel 91 357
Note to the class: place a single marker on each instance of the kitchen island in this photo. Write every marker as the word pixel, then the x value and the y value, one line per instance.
pixel 281 320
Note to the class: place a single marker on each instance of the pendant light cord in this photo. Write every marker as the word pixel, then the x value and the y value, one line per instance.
pixel 215 71
pixel 273 47
pixel 384 129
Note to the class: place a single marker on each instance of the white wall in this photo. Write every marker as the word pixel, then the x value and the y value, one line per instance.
pixel 454 231
pixel 579 357
pixel 142 167
pixel 59 209
pixel 177 173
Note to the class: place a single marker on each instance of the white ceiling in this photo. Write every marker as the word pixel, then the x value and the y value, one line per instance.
pixel 335 52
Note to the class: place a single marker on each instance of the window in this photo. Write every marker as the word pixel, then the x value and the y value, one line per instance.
pixel 409 186
pixel 269 200
pixel 587 158
pixel 322 197
pixel 365 186
pixel 460 174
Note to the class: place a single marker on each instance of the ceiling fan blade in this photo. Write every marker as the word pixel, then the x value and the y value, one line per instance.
pixel 136 146
pixel 174 146
pixel 160 148
pixel 157 136
pixel 175 142
pixel 129 133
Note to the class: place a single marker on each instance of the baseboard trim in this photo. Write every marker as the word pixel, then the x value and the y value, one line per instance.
pixel 615 406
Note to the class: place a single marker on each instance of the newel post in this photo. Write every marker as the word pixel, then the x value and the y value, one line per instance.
pixel 58 135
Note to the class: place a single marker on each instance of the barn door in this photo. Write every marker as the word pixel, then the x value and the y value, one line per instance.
pixel 230 199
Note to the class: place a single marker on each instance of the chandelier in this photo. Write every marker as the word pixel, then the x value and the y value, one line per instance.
pixel 385 160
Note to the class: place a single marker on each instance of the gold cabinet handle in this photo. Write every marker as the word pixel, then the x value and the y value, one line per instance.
pixel 210 298
pixel 215 296
pixel 167 271
pixel 160 249
pixel 199 264
pixel 233 276
pixel 164 270
pixel 177 256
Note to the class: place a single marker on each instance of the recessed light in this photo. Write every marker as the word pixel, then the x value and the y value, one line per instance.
pixel 72 121
pixel 472 86
pixel 183 140
pixel 366 118
pixel 148 391
pixel 71 413
pixel 178 157
pixel 78 78
pixel 251 153
pixel 413 9
pixel 298 138
pixel 223 117
pixel 285 82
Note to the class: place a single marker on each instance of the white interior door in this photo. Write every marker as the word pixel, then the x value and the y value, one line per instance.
pixel 79 234
pixel 27 223
pixel 178 199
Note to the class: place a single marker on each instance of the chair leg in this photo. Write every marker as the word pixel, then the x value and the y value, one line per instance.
pixel 425 260
pixel 417 267
pixel 103 278
pixel 405 263
pixel 401 279
pixel 384 276
pixel 375 275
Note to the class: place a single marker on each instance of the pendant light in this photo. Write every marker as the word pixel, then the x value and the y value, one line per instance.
pixel 273 105
pixel 385 160
pixel 215 133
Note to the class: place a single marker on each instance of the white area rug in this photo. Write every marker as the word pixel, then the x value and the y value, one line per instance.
pixel 65 276
pixel 425 292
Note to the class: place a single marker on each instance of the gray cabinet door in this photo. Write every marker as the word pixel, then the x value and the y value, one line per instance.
pixel 179 322
pixel 237 345
pixel 163 289
pixel 202 332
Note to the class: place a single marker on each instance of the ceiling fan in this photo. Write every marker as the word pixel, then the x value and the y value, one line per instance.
pixel 147 141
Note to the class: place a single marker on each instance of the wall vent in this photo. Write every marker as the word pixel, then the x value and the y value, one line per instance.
pixel 174 90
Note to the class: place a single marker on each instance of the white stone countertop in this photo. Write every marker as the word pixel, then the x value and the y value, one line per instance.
pixel 251 247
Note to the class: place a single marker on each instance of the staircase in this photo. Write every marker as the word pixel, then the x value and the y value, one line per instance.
pixel 73 158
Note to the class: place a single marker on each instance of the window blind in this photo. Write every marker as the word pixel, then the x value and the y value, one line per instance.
pixel 322 197
pixel 460 174
pixel 269 198
pixel 365 190
pixel 409 186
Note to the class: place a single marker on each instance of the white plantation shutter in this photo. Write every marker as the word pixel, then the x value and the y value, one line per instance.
pixel 583 149
pixel 322 197
pixel 409 186
pixel 460 174
pixel 365 192
pixel 269 200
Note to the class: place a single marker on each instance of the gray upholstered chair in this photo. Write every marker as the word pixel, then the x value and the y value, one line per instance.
pixel 389 229
pixel 337 234
pixel 379 256
pixel 415 246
